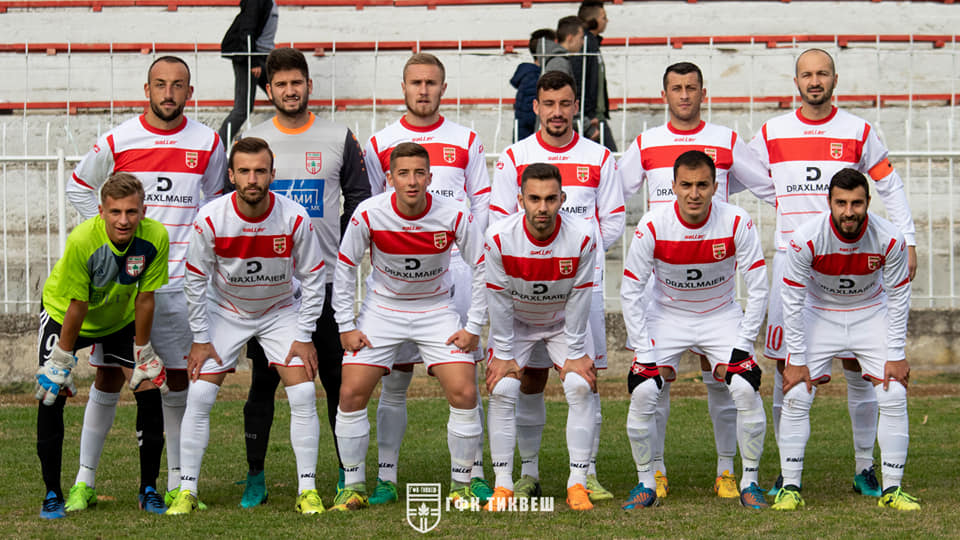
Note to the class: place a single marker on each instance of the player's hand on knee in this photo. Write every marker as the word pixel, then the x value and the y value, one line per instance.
pixel 498 369
pixel 582 366
pixel 307 353
pixel 354 340
pixel 465 341
pixel 199 354
pixel 54 376
pixel 794 375
pixel 149 368
pixel 743 364
pixel 896 370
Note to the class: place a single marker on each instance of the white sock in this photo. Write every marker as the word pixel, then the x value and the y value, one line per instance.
pixel 641 429
pixel 97 420
pixel 531 417
pixel 580 427
pixel 794 432
pixel 353 438
pixel 477 471
pixel 777 404
pixel 304 432
pixel 391 422
pixel 195 431
pixel 597 425
pixel 174 405
pixel 751 428
pixel 723 414
pixel 893 432
pixel 502 428
pixel 464 430
pixel 863 408
pixel 661 416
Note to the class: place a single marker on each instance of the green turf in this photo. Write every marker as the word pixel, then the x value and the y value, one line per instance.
pixel 691 511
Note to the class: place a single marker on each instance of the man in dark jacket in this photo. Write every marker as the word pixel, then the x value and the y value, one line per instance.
pixel 525 81
pixel 595 103
pixel 247 43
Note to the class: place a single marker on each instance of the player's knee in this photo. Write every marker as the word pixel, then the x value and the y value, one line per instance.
pixel 893 401
pixel 393 387
pixel 742 392
pixel 507 390
pixel 576 389
pixel 463 396
pixel 108 379
pixel 797 400
pixel 644 396
pixel 641 373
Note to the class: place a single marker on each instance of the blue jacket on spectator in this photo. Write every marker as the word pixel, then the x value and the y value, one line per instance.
pixel 525 81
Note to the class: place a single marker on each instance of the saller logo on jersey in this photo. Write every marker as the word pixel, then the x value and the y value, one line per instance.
pixel 836 150
pixel 719 251
pixel 873 262
pixel 449 154
pixel 135 265
pixel 279 245
pixel 313 162
pixel 566 266
pixel 583 174
pixel 712 152
pixel 192 159
pixel 440 240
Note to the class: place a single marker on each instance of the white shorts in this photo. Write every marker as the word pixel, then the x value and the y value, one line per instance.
pixel 275 332
pixel 553 348
pixel 673 334
pixel 830 334
pixel 170 335
pixel 774 347
pixel 427 329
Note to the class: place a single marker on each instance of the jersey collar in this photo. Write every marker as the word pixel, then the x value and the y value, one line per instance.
pixel 840 237
pixel 420 129
pixel 295 131
pixel 393 203
pixel 676 131
pixel 541 243
pixel 676 210
pixel 556 149
pixel 805 120
pixel 157 131
pixel 273 201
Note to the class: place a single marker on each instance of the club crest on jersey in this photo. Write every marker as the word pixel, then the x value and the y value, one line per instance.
pixel 135 265
pixel 440 240
pixel 873 262
pixel 719 251
pixel 712 152
pixel 449 154
pixel 279 245
pixel 313 162
pixel 583 174
pixel 566 266
pixel 192 159
pixel 423 506
pixel 836 150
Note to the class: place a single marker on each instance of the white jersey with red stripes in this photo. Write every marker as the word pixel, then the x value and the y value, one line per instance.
pixel 590 180
pixel 839 277
pixel 651 155
pixel 177 167
pixel 803 155
pixel 539 283
pixel 457 162
pixel 244 267
pixel 694 268
pixel 410 257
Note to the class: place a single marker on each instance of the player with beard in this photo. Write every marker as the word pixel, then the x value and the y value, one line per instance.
pixel 181 164
pixel 316 161
pixel 845 285
pixel 460 173
pixel 594 194
pixel 802 150
pixel 650 158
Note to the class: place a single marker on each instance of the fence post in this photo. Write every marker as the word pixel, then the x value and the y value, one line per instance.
pixel 61 200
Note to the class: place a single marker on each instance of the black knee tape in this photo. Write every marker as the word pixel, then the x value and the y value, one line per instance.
pixel 640 373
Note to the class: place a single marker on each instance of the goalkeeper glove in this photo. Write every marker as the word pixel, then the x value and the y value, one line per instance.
pixel 55 375
pixel 149 368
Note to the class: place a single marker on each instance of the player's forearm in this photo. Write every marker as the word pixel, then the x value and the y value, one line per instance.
pixel 194 291
pixel 577 313
pixel 634 314
pixel 72 323
pixel 793 324
pixel 894 197
pixel 344 296
pixel 143 317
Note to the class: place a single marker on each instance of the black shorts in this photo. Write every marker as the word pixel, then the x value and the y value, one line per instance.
pixel 117 347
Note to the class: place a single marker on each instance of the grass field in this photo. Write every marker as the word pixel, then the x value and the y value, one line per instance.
pixel 691 511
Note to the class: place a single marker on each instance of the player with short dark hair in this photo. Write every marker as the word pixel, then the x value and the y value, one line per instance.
pixel 102 292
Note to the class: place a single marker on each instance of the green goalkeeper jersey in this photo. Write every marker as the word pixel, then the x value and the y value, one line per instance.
pixel 93 270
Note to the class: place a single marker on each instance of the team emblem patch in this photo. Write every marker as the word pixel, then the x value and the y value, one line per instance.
pixel 836 150
pixel 719 251
pixel 449 154
pixel 873 262
pixel 135 265
pixel 313 162
pixel 566 266
pixel 279 245
pixel 192 159
pixel 583 174
pixel 712 152
pixel 423 506
pixel 440 240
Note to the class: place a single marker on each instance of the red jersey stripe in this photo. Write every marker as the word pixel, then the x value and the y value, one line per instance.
pixel 848 264
pixel 546 269
pixel 172 160
pixel 411 242
pixel 814 149
pixel 681 252
pixel 245 247
pixel 661 157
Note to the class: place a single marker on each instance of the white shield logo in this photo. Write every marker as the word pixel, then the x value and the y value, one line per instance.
pixel 279 245
pixel 836 150
pixel 712 152
pixel 192 159
pixel 439 240
pixel 873 262
pixel 423 506
pixel 135 265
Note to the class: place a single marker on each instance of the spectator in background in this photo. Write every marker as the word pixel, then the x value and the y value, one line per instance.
pixel 525 81
pixel 570 35
pixel 252 31
pixel 590 74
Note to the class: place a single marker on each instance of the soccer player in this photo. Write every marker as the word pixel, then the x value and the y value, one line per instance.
pixel 101 292
pixel 693 249
pixel 802 149
pixel 316 160
pixel 539 271
pixel 593 193
pixel 244 253
pixel 179 161
pixel 410 234
pixel 845 285
pixel 650 158
pixel 459 170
